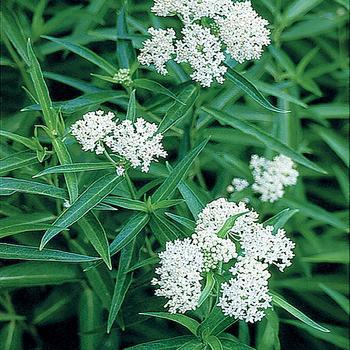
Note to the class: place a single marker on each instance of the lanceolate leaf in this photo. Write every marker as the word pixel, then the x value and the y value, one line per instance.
pixel 178 110
pixel 21 252
pixel 32 187
pixel 280 219
pixel 96 234
pixel 20 139
pixel 122 283
pixel 164 344
pixel 188 322
pixel 261 135
pixel 248 87
pixel 30 274
pixel 177 174
pixel 85 53
pixel 74 168
pixel 92 196
pixel 296 313
pixel 17 161
pixel 131 112
pixel 131 229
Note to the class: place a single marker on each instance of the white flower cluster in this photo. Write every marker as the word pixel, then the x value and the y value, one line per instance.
pixel 181 265
pixel 272 176
pixel 137 143
pixel 244 32
pixel 245 296
pixel 234 27
pixel 91 131
pixel 159 49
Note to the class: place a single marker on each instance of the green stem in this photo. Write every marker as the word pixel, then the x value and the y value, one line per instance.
pixel 130 185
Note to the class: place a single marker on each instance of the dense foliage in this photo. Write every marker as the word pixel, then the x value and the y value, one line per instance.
pixel 81 232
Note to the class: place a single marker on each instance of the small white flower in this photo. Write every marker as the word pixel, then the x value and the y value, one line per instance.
pixel 270 177
pixel 120 170
pixel 159 49
pixel 66 204
pixel 137 142
pixel 239 184
pixel 93 129
pixel 244 32
pixel 216 213
pixel 202 51
pixel 259 242
pixel 214 249
pixel 123 77
pixel 246 295
pixel 181 265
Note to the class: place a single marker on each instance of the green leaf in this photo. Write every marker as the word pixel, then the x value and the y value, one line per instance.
pixel 209 285
pixel 187 223
pixel 163 229
pixel 179 108
pixel 96 235
pixel 298 8
pixel 165 190
pixel 230 342
pixel 131 229
pixel 11 336
pixel 337 257
pixel 25 141
pixel 313 211
pixel 131 112
pixel 82 102
pixel 155 87
pixel 296 313
pixel 32 187
pixel 280 219
pixel 339 298
pixel 337 143
pixel 30 274
pixel 188 322
pixel 92 196
pixel 74 168
pixel 42 93
pixel 164 344
pixel 215 323
pixel 126 203
pixel 122 283
pixel 150 261
pixel 192 198
pixel 167 203
pixel 85 53
pixel 90 317
pixel 214 343
pixel 245 85
pixel 14 33
pixel 17 161
pixel 21 252
pixel 261 135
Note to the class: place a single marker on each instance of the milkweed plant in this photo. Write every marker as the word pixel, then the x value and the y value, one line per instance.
pixel 174 175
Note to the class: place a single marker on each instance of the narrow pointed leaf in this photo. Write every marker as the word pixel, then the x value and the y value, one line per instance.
pixel 92 196
pixel 21 252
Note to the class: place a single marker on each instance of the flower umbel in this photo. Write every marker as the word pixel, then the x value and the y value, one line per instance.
pixel 244 32
pixel 137 142
pixel 181 265
pixel 245 296
pixel 92 130
pixel 159 49
pixel 272 176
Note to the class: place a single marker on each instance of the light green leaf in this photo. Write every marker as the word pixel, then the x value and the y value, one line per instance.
pixel 164 344
pixel 339 298
pixel 280 219
pixel 209 285
pixel 17 161
pixel 214 343
pixel 131 112
pixel 126 203
pixel 25 141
